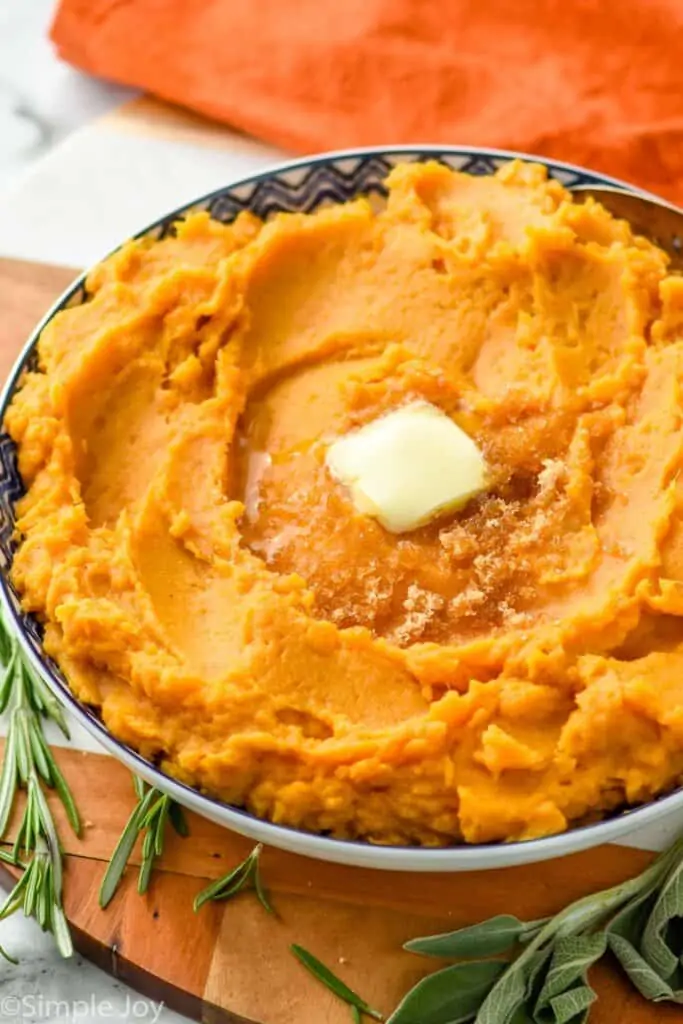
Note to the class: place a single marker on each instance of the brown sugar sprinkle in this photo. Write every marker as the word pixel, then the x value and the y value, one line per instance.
pixel 477 572
pixel 421 607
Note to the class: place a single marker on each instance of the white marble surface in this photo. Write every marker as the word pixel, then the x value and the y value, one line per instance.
pixel 42 100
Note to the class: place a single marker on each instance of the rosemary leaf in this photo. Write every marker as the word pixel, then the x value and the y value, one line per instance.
pixel 8 781
pixel 145 873
pixel 50 835
pixel 178 819
pixel 6 647
pixel 64 793
pixel 42 698
pixel 123 850
pixel 335 984
pixel 140 787
pixel 6 956
pixel 28 763
pixel 150 816
pixel 38 750
pixel 223 888
pixel 35 881
pixel 60 930
pixel 21 831
pixel 44 900
pixel 259 889
pixel 11 905
pixel 7 676
pixel 160 827
pixel 22 745
pixel 244 877
pixel 154 810
pixel 148 844
pixel 6 910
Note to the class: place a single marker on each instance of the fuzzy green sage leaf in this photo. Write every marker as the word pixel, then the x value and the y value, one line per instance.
pixel 449 996
pixel 497 935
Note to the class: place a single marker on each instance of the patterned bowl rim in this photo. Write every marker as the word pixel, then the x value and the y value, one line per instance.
pixel 351 852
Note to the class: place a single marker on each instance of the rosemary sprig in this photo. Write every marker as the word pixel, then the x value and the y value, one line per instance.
pixel 547 982
pixel 246 876
pixel 29 764
pixel 34 894
pixel 150 815
pixel 325 976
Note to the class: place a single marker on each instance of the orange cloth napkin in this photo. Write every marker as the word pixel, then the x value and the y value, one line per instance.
pixel 596 82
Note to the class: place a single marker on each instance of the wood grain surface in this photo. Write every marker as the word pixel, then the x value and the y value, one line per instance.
pixel 231 962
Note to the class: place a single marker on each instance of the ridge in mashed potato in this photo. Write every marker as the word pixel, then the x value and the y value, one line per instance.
pixel 497 674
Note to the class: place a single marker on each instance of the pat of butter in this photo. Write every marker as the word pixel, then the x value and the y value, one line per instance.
pixel 408 467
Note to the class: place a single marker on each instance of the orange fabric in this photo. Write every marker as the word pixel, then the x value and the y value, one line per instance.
pixel 597 82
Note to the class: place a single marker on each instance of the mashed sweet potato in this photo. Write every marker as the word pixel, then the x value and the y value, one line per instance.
pixel 498 674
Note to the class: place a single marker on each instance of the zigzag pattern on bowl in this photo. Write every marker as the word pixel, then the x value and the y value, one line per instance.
pixel 305 189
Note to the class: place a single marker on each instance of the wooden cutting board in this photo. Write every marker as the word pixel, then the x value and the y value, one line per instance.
pixel 231 962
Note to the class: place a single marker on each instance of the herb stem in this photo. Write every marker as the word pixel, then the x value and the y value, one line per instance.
pixel 30 765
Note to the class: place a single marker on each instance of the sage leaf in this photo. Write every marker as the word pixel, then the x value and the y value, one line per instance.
pixel 572 1007
pixel 572 956
pixel 450 996
pixel 496 935
pixel 630 922
pixel 645 979
pixel 522 1015
pixel 667 908
pixel 507 997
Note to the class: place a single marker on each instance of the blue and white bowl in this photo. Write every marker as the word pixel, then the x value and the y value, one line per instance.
pixel 299 186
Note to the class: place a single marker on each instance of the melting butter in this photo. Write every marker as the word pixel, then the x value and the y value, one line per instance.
pixel 408 467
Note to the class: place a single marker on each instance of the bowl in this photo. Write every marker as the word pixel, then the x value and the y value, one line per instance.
pixel 302 186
